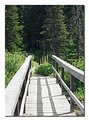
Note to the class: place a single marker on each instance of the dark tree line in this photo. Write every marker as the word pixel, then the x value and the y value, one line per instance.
pixel 45 30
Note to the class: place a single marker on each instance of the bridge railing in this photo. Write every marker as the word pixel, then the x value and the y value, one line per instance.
pixel 17 90
pixel 75 73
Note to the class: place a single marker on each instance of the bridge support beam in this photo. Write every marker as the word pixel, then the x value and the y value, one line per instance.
pixel 56 66
pixel 72 78
pixel 62 76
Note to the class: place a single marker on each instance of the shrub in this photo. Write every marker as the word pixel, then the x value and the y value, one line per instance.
pixel 13 61
pixel 80 93
pixel 79 63
pixel 78 85
pixel 34 63
pixel 44 69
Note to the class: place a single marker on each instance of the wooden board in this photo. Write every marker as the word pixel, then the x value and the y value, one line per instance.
pixel 45 99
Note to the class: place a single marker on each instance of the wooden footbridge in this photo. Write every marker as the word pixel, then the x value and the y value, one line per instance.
pixel 42 96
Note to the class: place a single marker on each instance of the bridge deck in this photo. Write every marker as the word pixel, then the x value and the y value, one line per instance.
pixel 45 99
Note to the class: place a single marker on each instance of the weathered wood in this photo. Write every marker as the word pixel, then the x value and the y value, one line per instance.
pixel 79 104
pixel 22 109
pixel 56 66
pixel 62 75
pixel 45 98
pixel 72 89
pixel 71 69
pixel 13 89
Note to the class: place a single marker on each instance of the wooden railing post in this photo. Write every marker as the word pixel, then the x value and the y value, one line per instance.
pixel 62 76
pixel 30 67
pixel 72 89
pixel 56 67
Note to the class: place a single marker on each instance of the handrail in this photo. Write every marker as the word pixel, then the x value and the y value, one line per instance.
pixel 75 73
pixel 80 105
pixel 14 88
pixel 71 69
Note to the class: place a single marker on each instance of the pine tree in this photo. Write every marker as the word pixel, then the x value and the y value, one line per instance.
pixel 55 31
pixel 75 25
pixel 46 30
pixel 33 17
pixel 13 28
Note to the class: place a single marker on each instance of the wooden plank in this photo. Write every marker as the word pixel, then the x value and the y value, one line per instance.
pixel 44 91
pixel 14 88
pixel 71 69
pixel 46 100
pixel 51 114
pixel 79 104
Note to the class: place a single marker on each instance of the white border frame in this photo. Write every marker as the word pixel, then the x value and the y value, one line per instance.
pixel 2 56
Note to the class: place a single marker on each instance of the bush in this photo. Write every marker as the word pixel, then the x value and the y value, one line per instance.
pixel 44 69
pixel 80 93
pixel 78 85
pixel 79 63
pixel 13 61
pixel 34 63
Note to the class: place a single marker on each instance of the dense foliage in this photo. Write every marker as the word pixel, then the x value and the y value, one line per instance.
pixel 13 28
pixel 13 61
pixel 44 69
pixel 46 30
